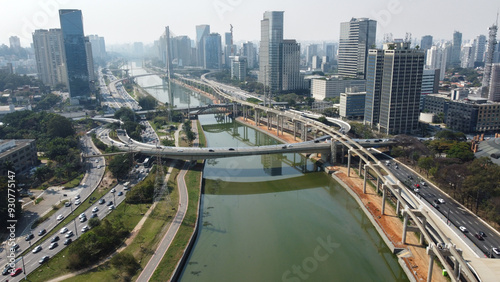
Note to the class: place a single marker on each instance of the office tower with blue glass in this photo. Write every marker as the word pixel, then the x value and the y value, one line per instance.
pixel 75 53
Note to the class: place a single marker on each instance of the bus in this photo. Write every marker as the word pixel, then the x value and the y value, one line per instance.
pixel 147 162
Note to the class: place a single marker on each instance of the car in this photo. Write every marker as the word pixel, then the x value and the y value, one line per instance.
pixel 102 201
pixel 496 251
pixel 435 206
pixel 69 234
pixel 99 166
pixel 82 215
pixel 77 202
pixel 68 241
pixel 77 197
pixel 44 259
pixel 211 150
pixel 113 190
pixel 29 237
pixel 16 272
pixel 63 230
pixel 60 217
pixel 37 249
pixel 15 247
pixel 416 190
pixel 97 160
pixel 110 203
pixel 67 204
pixel 111 207
pixel 53 245
pixel 42 232
pixel 6 270
pixel 231 149
pixel 55 239
pixel 441 201
pixel 423 183
pixel 83 219
pixel 85 228
pixel 482 233
pixel 410 177
pixel 180 151
pixel 289 145
pixel 417 185
pixel 463 229
pixel 478 236
pixel 120 193
pixel 94 215
pixel 95 209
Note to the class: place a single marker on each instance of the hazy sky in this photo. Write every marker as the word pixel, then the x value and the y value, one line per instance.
pixel 122 21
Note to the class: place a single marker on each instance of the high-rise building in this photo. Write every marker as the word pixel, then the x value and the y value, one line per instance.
pixel 239 67
pixel 426 42
pixel 75 54
pixel 467 56
pixel 90 59
pixel 212 51
pixel 181 51
pixel 490 54
pixel 356 38
pixel 456 49
pixel 248 51
pixel 331 51
pixel 49 55
pixel 201 32
pixel 480 48
pixel 290 71
pixel 430 84
pixel 311 51
pixel 98 47
pixel 436 58
pixel 269 53
pixel 494 94
pixel 14 42
pixel 393 89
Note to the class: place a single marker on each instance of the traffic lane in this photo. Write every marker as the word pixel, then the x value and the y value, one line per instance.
pixel 32 260
pixel 462 218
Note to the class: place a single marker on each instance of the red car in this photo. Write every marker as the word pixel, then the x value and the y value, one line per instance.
pixel 16 272
pixel 417 185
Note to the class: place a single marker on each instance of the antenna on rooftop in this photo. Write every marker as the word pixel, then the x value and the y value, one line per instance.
pixel 408 37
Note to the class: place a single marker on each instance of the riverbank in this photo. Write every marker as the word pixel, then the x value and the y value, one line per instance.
pixel 413 259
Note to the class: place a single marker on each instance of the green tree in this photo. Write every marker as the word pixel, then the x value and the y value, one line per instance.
pixel 125 263
pixel 59 126
pixel 460 150
pixel 426 163
pixel 120 165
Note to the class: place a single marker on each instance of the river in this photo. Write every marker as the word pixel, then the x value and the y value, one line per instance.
pixel 275 218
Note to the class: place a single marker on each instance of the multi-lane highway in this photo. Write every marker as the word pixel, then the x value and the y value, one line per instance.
pixel 448 209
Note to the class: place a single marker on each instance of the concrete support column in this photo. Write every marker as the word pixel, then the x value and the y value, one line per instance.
pixel 378 183
pixel 294 130
pixel 364 181
pixel 277 125
pixel 405 228
pixel 360 165
pixel 456 268
pixel 256 117
pixel 398 204
pixel 384 195
pixel 431 265
pixel 349 163
pixel 424 223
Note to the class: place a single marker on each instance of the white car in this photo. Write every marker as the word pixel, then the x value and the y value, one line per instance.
pixel 95 209
pixel 441 201
pixel 37 249
pixel 63 230
pixel 496 251
pixel 69 234
pixel 113 190
pixel 60 217
pixel 463 229
pixel 77 202
pixel 85 228
pixel 77 197
pixel 82 215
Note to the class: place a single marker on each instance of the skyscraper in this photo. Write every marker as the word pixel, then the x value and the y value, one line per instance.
pixel 213 51
pixel 49 55
pixel 90 59
pixel 394 82
pixel 75 54
pixel 248 50
pixel 356 38
pixel 269 53
pixel 426 42
pixel 494 94
pixel 490 54
pixel 456 49
pixel 201 32
pixel 480 48
pixel 290 52
pixel 98 47
pixel 14 42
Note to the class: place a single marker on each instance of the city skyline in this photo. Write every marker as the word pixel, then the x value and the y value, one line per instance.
pixel 319 20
